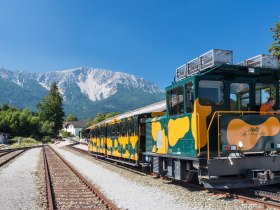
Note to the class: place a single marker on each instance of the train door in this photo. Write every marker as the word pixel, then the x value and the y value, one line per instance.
pixel 142 127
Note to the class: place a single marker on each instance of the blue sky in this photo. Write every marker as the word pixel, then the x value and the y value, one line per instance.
pixel 148 38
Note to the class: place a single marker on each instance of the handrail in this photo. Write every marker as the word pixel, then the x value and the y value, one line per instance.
pixel 228 112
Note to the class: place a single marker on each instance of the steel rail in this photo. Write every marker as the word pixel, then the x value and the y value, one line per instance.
pixel 91 186
pixel 19 148
pixel 48 182
pixel 11 158
pixel 246 199
pixel 264 204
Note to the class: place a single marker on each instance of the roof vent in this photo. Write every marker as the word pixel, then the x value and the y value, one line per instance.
pixel 207 60
pixel 262 60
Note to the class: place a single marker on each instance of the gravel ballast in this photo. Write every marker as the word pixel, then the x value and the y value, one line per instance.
pixel 18 182
pixel 133 191
pixel 81 146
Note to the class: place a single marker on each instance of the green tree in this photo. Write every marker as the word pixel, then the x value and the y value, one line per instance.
pixel 111 114
pixel 99 117
pixel 275 47
pixel 6 107
pixel 50 109
pixel 19 122
pixel 71 117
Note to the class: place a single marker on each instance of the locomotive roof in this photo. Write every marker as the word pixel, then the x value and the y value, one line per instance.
pixel 156 107
pixel 231 71
pixel 238 70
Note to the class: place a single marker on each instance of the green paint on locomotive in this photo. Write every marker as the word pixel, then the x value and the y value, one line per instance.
pixel 192 102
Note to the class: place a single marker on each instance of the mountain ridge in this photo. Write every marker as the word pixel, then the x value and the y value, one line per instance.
pixel 85 91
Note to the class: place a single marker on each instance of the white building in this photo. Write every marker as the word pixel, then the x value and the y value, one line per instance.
pixel 74 127
pixel 4 138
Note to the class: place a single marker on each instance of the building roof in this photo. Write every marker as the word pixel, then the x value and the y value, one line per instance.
pixel 76 124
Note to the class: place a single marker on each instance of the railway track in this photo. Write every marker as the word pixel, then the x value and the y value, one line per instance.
pixel 67 188
pixel 250 198
pixel 6 155
pixel 116 164
pixel 265 196
pixel 260 196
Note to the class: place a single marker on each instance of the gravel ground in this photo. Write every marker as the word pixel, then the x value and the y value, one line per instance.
pixel 82 146
pixel 41 183
pixel 18 182
pixel 133 191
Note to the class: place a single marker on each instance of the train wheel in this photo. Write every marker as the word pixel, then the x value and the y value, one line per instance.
pixel 191 174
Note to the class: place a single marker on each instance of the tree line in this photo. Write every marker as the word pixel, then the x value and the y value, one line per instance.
pixel 42 125
pixel 275 46
pixel 100 117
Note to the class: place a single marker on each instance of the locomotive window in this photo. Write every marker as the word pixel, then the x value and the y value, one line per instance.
pixel 176 101
pixel 239 97
pixel 189 97
pixel 263 92
pixel 211 92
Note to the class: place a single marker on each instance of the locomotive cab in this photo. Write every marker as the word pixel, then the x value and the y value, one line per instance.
pixel 241 140
pixel 213 127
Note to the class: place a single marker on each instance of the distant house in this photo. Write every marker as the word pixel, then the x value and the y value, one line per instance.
pixel 4 138
pixel 74 127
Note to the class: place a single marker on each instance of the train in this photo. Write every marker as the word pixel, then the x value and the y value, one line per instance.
pixel 208 129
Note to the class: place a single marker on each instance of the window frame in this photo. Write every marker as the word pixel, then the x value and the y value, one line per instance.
pixel 186 101
pixel 270 95
pixel 222 91
pixel 249 96
pixel 170 107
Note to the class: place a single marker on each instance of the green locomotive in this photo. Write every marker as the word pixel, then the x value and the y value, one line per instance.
pixel 213 129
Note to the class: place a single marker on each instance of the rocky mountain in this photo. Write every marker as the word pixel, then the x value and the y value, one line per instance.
pixel 85 91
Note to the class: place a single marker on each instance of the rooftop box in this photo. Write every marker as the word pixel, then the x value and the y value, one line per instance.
pixel 215 57
pixel 181 72
pixel 193 66
pixel 262 60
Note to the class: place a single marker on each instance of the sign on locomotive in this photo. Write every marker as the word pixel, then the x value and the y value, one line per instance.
pixel 209 128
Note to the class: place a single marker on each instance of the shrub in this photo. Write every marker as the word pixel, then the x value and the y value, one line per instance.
pixel 65 134
pixel 46 139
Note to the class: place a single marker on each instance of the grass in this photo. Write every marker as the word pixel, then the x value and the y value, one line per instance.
pixel 25 142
